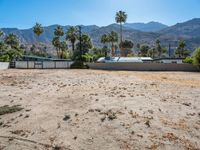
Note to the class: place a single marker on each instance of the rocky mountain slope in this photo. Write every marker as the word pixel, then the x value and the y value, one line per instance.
pixel 188 31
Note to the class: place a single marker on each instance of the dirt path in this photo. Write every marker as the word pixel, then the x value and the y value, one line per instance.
pixel 100 110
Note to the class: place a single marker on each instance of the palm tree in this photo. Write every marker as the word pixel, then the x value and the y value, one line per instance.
pixel 113 37
pixel 182 46
pixel 63 47
pixel 1 34
pixel 144 50
pixel 86 43
pixel 12 40
pixel 126 48
pixel 59 31
pixel 158 47
pixel 56 44
pixel 120 18
pixel 105 40
pixel 38 29
pixel 71 35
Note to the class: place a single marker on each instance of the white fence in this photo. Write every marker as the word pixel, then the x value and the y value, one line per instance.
pixel 43 64
pixel 4 65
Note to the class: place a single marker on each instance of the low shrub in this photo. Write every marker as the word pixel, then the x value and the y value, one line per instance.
pixel 188 60
pixel 197 57
pixel 79 65
pixel 4 58
pixel 87 58
pixel 8 110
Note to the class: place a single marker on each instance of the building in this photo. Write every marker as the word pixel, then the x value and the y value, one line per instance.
pixel 124 59
pixel 169 60
pixel 36 58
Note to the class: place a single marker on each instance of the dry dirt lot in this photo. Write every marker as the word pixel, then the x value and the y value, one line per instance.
pixel 99 110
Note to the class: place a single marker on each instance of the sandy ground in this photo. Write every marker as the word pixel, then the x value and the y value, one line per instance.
pixel 100 110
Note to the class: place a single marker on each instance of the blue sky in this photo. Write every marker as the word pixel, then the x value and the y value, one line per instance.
pixel 24 13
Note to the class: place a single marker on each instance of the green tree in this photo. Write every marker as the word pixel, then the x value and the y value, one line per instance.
pixel 120 18
pixel 63 48
pixel 56 44
pixel 38 29
pixel 105 40
pixel 86 44
pixel 152 52
pixel 126 48
pixel 113 38
pixel 58 33
pixel 32 48
pixel 144 50
pixel 99 52
pixel 181 51
pixel 12 41
pixel 71 36
pixel 158 48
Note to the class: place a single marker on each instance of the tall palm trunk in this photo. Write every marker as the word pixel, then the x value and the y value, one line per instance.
pixel 113 50
pixel 73 46
pixel 58 53
pixel 153 53
pixel 62 54
pixel 121 49
pixel 182 52
pixel 120 33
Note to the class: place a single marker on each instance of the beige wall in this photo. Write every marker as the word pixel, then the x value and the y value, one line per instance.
pixel 4 65
pixel 143 66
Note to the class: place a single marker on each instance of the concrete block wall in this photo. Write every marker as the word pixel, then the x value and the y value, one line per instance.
pixel 4 65
pixel 144 66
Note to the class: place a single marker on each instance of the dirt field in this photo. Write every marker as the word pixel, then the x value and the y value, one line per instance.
pixel 100 110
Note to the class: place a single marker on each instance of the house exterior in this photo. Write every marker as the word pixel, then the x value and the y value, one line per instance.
pixel 169 60
pixel 124 59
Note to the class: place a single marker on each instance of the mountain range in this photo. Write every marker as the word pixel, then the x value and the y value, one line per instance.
pixel 136 32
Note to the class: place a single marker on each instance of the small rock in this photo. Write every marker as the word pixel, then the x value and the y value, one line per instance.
pixel 147 123
pixel 187 104
pixel 103 119
pixel 150 111
pixel 67 117
pixel 27 116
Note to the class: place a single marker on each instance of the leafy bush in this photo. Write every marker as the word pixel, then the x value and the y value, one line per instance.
pixel 197 57
pixel 66 55
pixel 79 65
pixel 188 60
pixel 5 58
pixel 87 58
